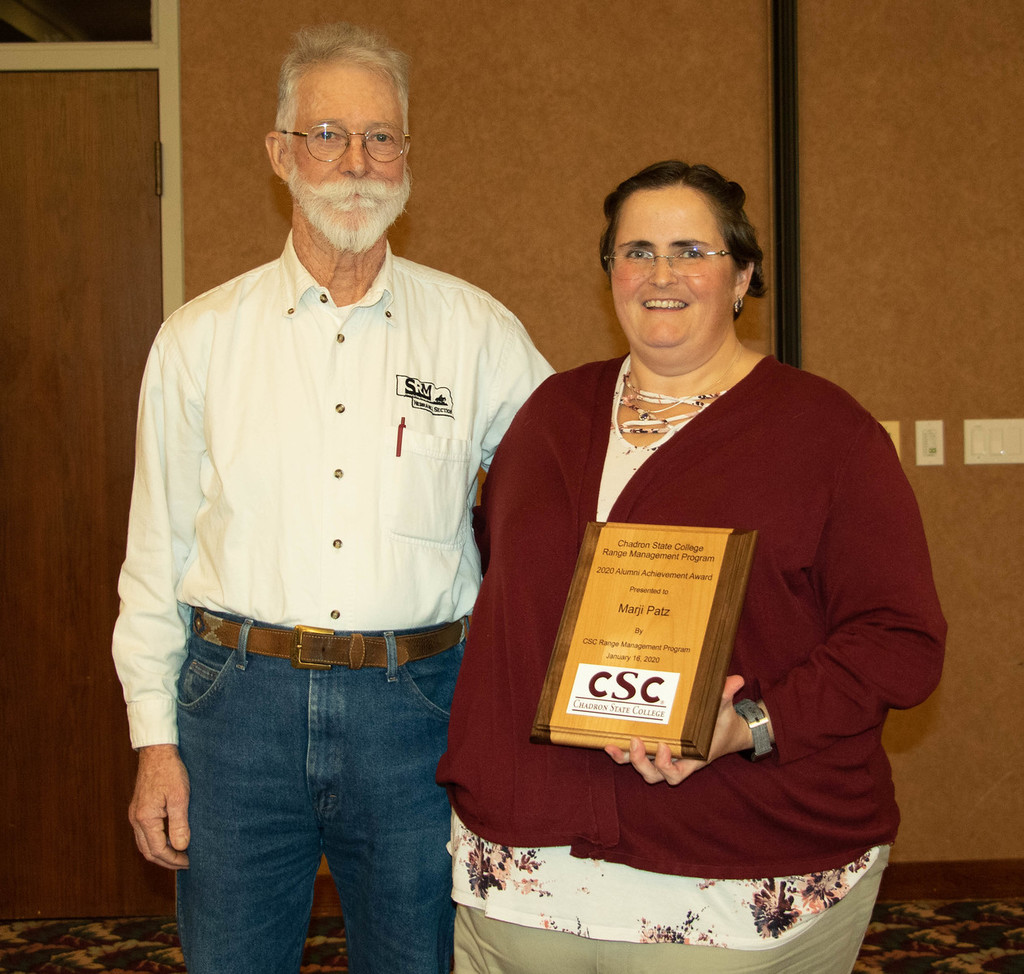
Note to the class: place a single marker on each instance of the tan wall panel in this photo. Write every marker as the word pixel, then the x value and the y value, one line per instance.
pixel 524 116
pixel 911 151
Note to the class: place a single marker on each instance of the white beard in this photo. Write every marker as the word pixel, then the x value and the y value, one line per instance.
pixel 352 214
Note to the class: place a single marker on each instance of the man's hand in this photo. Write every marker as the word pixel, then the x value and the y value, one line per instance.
pixel 732 733
pixel 159 808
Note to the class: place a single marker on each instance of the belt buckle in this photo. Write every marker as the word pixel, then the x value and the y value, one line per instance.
pixel 296 654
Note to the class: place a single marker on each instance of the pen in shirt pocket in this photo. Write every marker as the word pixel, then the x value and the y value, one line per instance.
pixel 398 445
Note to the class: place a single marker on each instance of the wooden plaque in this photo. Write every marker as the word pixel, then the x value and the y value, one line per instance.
pixel 646 637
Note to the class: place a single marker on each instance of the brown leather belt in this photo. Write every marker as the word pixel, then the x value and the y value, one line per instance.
pixel 309 648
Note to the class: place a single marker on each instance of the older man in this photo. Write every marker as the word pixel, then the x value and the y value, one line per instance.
pixel 300 559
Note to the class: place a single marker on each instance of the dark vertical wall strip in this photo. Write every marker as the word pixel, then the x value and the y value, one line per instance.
pixel 786 182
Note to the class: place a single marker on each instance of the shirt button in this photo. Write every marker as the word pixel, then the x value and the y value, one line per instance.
pixel 335 614
pixel 323 299
pixel 341 338
pixel 339 474
pixel 291 311
pixel 387 314
pixel 337 542
pixel 340 407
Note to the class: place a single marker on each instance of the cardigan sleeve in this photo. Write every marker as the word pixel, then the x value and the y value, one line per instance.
pixel 884 629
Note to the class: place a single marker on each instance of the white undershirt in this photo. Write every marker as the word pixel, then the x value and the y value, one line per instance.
pixel 623 459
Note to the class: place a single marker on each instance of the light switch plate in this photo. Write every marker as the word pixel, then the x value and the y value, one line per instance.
pixel 929 442
pixel 892 427
pixel 994 441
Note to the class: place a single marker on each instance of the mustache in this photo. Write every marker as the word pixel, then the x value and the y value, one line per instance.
pixel 353 194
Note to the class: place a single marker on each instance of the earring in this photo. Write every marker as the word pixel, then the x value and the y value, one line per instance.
pixel 738 306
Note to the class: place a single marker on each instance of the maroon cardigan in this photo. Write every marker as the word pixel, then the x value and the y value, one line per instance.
pixel 840 624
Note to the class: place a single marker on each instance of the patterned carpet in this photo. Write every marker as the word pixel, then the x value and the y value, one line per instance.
pixel 967 937
pixel 904 938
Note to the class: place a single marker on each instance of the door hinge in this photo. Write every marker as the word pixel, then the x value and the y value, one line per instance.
pixel 158 166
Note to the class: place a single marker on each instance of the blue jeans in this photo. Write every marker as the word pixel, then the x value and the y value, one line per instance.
pixel 286 765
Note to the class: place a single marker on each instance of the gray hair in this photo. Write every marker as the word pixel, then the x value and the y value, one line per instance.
pixel 341 43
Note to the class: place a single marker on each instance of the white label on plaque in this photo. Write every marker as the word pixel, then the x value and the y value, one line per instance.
pixel 623 693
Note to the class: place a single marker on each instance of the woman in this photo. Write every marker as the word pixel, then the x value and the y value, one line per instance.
pixel 568 859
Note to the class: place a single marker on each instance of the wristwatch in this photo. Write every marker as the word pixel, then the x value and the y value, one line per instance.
pixel 757 719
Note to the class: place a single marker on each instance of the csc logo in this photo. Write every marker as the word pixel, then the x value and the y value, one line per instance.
pixel 624 685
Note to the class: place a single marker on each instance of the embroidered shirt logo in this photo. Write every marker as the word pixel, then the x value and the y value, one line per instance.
pixel 425 395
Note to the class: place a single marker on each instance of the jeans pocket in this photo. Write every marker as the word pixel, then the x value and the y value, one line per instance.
pixel 432 680
pixel 203 673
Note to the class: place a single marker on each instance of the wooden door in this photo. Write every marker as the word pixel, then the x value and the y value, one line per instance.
pixel 80 294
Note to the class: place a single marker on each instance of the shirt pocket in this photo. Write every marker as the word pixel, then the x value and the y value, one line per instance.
pixel 426 490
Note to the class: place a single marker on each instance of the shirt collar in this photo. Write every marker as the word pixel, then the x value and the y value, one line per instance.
pixel 296 281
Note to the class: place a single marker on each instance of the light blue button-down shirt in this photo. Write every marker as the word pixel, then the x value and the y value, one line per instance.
pixel 300 463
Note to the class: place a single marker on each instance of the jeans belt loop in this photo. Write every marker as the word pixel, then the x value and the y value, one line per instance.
pixel 243 640
pixel 356 651
pixel 389 639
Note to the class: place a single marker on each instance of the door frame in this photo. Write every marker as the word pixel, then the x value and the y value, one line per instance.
pixel 162 55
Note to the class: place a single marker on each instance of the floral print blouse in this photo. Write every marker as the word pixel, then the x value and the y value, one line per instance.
pixel 550 889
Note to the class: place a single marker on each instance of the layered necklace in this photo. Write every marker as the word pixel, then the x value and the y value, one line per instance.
pixel 656 413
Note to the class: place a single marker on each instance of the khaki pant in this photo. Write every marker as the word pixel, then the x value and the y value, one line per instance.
pixel 485 946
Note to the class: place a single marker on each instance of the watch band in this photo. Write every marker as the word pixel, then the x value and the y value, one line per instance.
pixel 757 720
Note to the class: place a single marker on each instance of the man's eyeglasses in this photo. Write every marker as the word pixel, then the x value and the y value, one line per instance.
pixel 329 141
pixel 636 263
